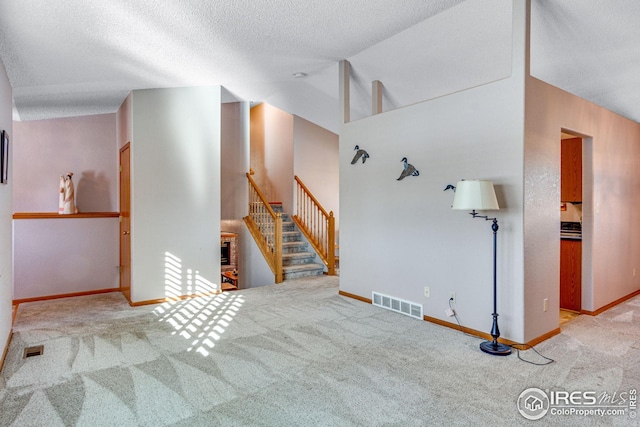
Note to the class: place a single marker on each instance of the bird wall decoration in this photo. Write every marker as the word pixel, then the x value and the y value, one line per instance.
pixel 360 154
pixel 408 170
pixel 450 187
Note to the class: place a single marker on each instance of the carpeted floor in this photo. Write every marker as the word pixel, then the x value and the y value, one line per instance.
pixel 295 354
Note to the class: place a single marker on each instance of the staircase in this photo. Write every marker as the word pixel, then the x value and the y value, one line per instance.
pixel 297 260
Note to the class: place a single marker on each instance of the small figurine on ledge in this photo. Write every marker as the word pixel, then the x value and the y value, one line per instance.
pixel 69 204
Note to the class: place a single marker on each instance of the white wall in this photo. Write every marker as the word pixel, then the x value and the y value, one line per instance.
pixel 256 271
pixel 399 236
pixel 316 163
pixel 234 163
pixel 6 211
pixel 175 191
pixel 611 196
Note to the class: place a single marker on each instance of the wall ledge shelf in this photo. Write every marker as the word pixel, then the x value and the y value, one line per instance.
pixel 56 215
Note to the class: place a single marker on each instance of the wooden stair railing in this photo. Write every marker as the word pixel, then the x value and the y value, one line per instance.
pixel 318 227
pixel 265 226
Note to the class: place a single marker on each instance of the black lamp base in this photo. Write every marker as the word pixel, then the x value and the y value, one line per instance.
pixel 496 349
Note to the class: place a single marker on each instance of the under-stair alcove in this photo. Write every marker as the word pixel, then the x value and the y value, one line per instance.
pixel 229 261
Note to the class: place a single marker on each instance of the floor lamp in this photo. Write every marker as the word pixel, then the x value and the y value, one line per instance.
pixel 480 195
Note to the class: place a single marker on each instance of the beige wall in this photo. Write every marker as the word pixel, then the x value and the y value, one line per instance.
pixel 611 197
pixel 316 163
pixel 282 146
pixel 272 153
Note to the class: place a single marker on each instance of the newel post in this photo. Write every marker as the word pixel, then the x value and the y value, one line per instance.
pixel 331 256
pixel 277 248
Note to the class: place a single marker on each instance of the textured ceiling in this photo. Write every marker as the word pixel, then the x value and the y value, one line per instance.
pixel 590 48
pixel 74 57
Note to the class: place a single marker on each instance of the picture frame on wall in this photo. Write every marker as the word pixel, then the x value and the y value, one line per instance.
pixel 4 157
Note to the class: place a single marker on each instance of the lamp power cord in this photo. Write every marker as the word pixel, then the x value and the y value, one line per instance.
pixel 515 346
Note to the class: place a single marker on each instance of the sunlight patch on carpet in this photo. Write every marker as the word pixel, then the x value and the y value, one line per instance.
pixel 201 321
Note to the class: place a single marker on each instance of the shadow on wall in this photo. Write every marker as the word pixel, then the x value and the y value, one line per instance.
pixel 92 193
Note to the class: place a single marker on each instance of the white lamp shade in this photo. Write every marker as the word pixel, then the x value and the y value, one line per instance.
pixel 475 194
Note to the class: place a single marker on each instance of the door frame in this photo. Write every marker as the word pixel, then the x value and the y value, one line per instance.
pixel 587 219
pixel 125 221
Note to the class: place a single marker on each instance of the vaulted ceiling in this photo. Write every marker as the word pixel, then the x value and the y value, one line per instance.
pixel 72 57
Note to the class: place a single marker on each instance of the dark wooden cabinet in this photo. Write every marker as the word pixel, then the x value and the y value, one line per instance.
pixel 571 170
pixel 571 274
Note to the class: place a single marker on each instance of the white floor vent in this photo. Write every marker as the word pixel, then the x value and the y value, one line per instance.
pixel 395 304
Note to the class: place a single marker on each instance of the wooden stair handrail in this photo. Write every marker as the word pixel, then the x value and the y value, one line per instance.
pixel 266 230
pixel 320 232
pixel 311 196
pixel 261 195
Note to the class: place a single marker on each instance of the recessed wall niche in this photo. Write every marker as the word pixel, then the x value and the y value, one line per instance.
pixel 229 260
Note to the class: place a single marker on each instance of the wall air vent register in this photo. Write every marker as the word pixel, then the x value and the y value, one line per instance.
pixel 395 304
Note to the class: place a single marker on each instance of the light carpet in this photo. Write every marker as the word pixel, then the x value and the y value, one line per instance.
pixel 295 354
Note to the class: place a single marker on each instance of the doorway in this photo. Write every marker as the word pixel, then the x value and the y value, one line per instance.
pixel 570 226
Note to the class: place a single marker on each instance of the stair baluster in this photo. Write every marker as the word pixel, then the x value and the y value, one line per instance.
pixel 265 226
pixel 317 225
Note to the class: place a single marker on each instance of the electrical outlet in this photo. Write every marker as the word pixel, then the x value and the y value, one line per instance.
pixel 545 304
pixel 452 297
pixel 427 292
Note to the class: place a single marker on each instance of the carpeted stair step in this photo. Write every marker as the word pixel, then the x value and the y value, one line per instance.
pixel 276 206
pixel 296 246
pixel 298 258
pixel 288 226
pixel 290 236
pixel 297 261
pixel 302 270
